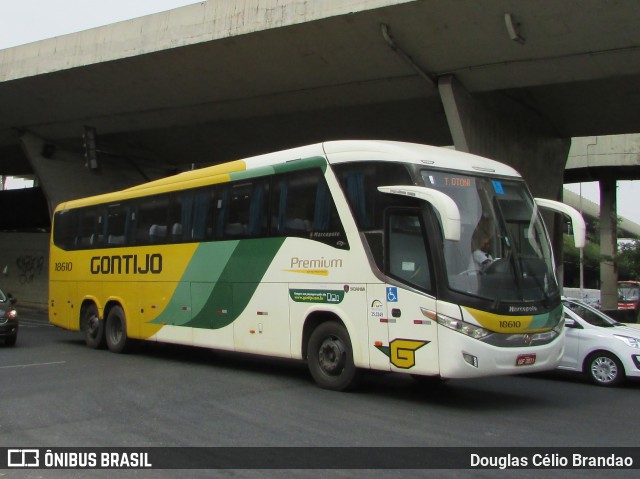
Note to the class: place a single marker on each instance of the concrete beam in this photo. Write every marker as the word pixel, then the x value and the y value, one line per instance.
pixel 494 126
pixel 198 23
pixel 594 157
pixel 63 174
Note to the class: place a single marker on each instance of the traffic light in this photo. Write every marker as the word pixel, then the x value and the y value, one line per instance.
pixel 89 143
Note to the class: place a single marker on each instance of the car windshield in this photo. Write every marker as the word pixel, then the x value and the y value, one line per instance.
pixel 590 315
pixel 503 251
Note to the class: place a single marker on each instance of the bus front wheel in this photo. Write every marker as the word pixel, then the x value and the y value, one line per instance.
pixel 330 357
pixel 116 331
pixel 92 327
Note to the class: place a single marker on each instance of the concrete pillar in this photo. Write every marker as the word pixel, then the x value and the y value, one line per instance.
pixel 502 129
pixel 608 244
pixel 63 174
pixel 497 127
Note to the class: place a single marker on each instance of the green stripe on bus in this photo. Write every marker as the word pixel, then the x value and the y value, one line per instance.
pixel 313 162
pixel 546 320
pixel 237 283
pixel 220 280
pixel 302 164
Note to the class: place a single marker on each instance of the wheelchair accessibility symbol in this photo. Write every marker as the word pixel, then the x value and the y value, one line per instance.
pixel 392 294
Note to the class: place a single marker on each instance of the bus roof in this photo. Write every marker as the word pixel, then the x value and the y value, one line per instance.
pixel 342 151
pixel 335 152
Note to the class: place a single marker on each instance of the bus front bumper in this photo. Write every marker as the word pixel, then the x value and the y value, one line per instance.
pixel 461 356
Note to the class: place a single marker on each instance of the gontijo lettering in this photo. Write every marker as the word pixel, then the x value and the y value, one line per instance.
pixel 127 264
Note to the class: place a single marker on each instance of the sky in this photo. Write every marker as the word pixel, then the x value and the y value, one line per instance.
pixel 628 197
pixel 25 21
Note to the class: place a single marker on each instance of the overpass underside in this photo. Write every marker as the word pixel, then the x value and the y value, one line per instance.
pixel 223 80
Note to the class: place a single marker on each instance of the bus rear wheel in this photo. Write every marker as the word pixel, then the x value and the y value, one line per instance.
pixel 92 328
pixel 330 357
pixel 116 331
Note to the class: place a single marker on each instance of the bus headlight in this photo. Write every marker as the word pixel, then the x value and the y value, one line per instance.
pixel 471 330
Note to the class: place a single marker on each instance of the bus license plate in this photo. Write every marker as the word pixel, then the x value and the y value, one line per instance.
pixel 526 360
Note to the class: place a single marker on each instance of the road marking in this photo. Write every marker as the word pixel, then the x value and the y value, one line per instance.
pixel 33 364
pixel 34 323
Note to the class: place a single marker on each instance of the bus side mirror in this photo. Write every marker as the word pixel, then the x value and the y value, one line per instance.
pixel 443 204
pixel 579 227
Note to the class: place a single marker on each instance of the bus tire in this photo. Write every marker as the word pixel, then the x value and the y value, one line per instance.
pixel 116 331
pixel 604 369
pixel 330 357
pixel 92 328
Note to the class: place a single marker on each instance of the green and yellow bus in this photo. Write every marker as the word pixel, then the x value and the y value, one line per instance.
pixel 350 255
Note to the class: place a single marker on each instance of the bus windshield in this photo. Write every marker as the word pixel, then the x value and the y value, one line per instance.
pixel 503 250
pixel 629 292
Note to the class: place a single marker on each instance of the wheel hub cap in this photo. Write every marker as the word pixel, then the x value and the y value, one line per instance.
pixel 93 325
pixel 604 370
pixel 332 356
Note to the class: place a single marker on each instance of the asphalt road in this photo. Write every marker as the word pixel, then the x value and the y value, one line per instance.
pixel 56 392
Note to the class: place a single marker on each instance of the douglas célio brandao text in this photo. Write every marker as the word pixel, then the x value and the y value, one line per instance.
pixel 550 460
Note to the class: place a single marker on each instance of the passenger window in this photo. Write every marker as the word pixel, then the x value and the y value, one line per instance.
pixel 91 229
pixel 151 220
pixel 117 225
pixel 304 207
pixel 191 216
pixel 65 230
pixel 240 210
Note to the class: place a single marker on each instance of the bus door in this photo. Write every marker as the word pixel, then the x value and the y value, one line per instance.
pixel 410 303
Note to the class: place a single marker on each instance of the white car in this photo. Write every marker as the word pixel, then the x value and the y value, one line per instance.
pixel 605 350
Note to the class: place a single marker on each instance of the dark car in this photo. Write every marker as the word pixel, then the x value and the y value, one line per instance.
pixel 8 319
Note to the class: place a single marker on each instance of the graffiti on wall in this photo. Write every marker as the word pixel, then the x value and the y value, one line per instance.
pixel 29 266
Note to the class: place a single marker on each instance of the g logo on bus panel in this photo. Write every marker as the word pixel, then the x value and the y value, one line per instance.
pixel 402 352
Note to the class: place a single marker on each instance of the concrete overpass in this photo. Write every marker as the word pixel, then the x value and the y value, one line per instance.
pixel 605 159
pixel 205 83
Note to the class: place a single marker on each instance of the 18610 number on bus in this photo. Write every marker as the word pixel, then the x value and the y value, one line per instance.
pixel 64 266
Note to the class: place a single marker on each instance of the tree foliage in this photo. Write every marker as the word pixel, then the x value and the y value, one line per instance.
pixel 628 260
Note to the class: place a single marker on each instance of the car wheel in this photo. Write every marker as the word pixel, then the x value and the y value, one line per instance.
pixel 92 328
pixel 330 357
pixel 116 331
pixel 604 369
pixel 11 340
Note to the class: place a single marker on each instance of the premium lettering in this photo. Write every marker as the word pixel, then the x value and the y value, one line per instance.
pixel 127 264
pixel 315 263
